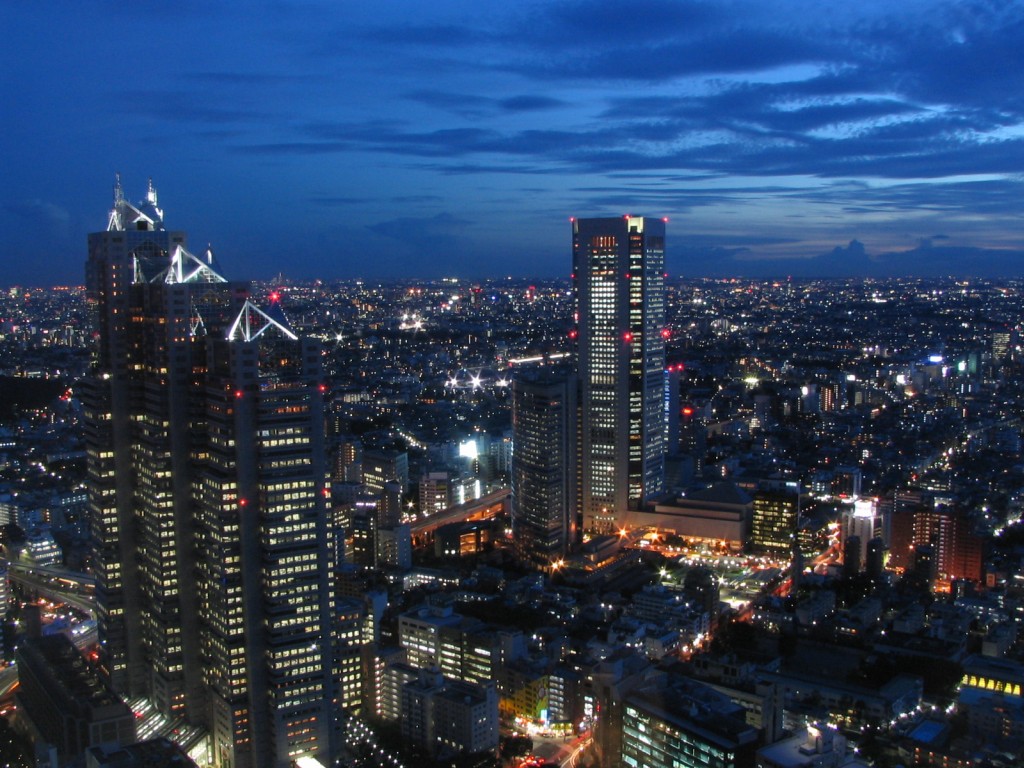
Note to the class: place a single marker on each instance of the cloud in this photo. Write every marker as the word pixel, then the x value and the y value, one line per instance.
pixel 440 225
pixel 529 103
pixel 929 260
pixel 852 260
pixel 875 123
pixel 889 94
pixel 40 215
pixel 340 201
pixel 428 35
pixel 430 245
pixel 712 240
pixel 191 106
pixel 472 106
pixel 235 79
pixel 464 104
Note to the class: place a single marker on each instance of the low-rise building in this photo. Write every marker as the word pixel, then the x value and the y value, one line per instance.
pixel 673 722
pixel 65 702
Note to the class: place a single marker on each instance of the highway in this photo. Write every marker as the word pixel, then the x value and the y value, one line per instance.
pixel 53 587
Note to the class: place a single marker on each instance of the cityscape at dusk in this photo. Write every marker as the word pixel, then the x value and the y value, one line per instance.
pixel 525 385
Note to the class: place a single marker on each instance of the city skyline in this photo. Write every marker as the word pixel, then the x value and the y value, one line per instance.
pixel 877 142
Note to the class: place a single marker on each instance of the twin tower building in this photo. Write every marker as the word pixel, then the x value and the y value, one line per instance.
pixel 204 417
pixel 207 470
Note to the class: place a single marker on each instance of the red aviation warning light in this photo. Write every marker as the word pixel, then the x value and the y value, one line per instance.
pixel 275 296
pixel 628 337
pixel 666 333
pixel 573 333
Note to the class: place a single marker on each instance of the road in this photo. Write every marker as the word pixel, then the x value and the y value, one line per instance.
pixel 52 587
pixel 573 760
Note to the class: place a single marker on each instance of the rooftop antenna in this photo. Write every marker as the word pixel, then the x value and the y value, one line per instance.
pixel 114 222
pixel 151 193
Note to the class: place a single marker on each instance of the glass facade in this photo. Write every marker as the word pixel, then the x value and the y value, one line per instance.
pixel 619 282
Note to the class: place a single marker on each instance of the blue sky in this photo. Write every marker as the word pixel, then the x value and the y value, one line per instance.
pixel 343 139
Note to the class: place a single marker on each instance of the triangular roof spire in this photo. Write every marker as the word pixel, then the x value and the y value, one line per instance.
pixel 252 322
pixel 187 268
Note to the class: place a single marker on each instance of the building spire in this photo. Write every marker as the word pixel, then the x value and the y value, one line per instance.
pixel 114 222
pixel 151 193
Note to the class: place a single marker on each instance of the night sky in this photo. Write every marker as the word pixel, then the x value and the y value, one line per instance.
pixel 378 139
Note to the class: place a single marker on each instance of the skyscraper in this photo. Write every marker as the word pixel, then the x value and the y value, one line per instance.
pixel 619 284
pixel 205 448
pixel 543 464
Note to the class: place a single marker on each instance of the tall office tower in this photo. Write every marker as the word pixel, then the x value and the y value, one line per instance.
pixel 543 464
pixel 144 287
pixel 206 460
pixel 266 612
pixel 619 285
